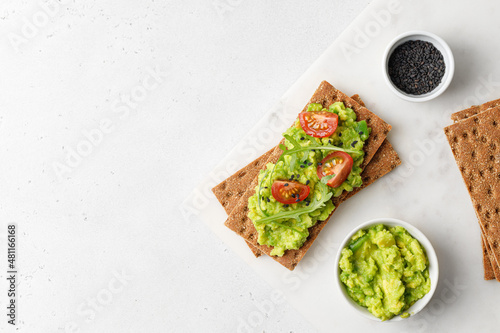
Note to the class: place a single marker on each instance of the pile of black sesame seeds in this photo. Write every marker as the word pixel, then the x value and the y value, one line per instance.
pixel 416 67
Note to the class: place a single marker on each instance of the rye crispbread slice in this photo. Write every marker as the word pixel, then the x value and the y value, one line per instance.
pixel 475 143
pixel 229 191
pixel 473 110
pixel 489 273
pixel 326 94
pixel 489 262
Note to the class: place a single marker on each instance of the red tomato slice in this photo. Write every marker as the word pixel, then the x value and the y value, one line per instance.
pixel 319 124
pixel 337 163
pixel 289 192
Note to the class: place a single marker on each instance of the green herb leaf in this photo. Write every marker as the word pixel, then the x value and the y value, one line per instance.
pixel 362 130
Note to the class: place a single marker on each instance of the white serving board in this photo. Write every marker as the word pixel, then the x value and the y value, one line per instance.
pixel 426 190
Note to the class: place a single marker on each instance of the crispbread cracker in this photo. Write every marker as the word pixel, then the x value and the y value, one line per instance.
pixel 326 94
pixel 488 268
pixel 489 263
pixel 473 110
pixel 475 143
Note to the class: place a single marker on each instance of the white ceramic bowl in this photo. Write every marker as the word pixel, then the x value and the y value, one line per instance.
pixel 440 44
pixel 424 242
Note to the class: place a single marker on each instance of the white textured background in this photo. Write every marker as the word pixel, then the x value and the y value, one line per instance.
pixel 115 211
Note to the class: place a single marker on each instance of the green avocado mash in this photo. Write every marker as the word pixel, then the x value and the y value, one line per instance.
pixel 285 226
pixel 385 270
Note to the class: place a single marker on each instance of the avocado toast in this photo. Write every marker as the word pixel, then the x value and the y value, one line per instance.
pixel 229 191
pixel 325 96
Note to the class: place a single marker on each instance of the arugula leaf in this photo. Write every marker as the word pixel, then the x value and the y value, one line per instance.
pixel 325 195
pixel 298 148
pixel 325 179
pixel 362 129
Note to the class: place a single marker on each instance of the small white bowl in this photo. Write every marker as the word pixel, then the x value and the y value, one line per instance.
pixel 440 44
pixel 424 242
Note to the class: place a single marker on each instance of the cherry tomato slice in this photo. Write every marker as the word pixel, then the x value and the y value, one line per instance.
pixel 289 192
pixel 337 163
pixel 319 124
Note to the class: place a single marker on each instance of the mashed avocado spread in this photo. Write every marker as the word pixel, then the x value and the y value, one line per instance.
pixel 285 226
pixel 385 270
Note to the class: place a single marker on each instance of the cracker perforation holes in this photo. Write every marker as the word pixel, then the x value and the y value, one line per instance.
pixel 497 210
pixel 242 174
pixel 455 139
pixel 368 120
pixel 474 131
pixel 240 193
pixel 257 163
pixel 487 215
pixel 495 244
pixel 245 209
pixel 490 169
pixel 479 207
pixel 476 120
pixel 250 236
pixel 486 225
pixel 225 203
pixel 241 230
pixel 483 139
pixel 473 154
pixel 481 173
pixel 490 192
pixel 229 194
pixel 464 135
pixel 462 169
pixel 492 158
pixel 471 189
pixel 375 138
pixel 223 186
pixel 494 123
pixel 493 146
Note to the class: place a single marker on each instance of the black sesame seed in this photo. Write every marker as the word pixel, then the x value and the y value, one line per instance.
pixel 416 67
pixel 292 177
pixel 297 200
pixel 307 204
pixel 268 200
pixel 307 182
pixel 286 184
pixel 340 134
pixel 330 141
pixel 360 133
pixel 309 164
pixel 352 144
pixel 301 166
pixel 302 138
pixel 320 164
pixel 285 205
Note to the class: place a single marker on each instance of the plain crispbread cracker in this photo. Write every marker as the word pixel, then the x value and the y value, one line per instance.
pixel 228 192
pixel 475 143
pixel 488 268
pixel 326 94
pixel 489 262
pixel 473 110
